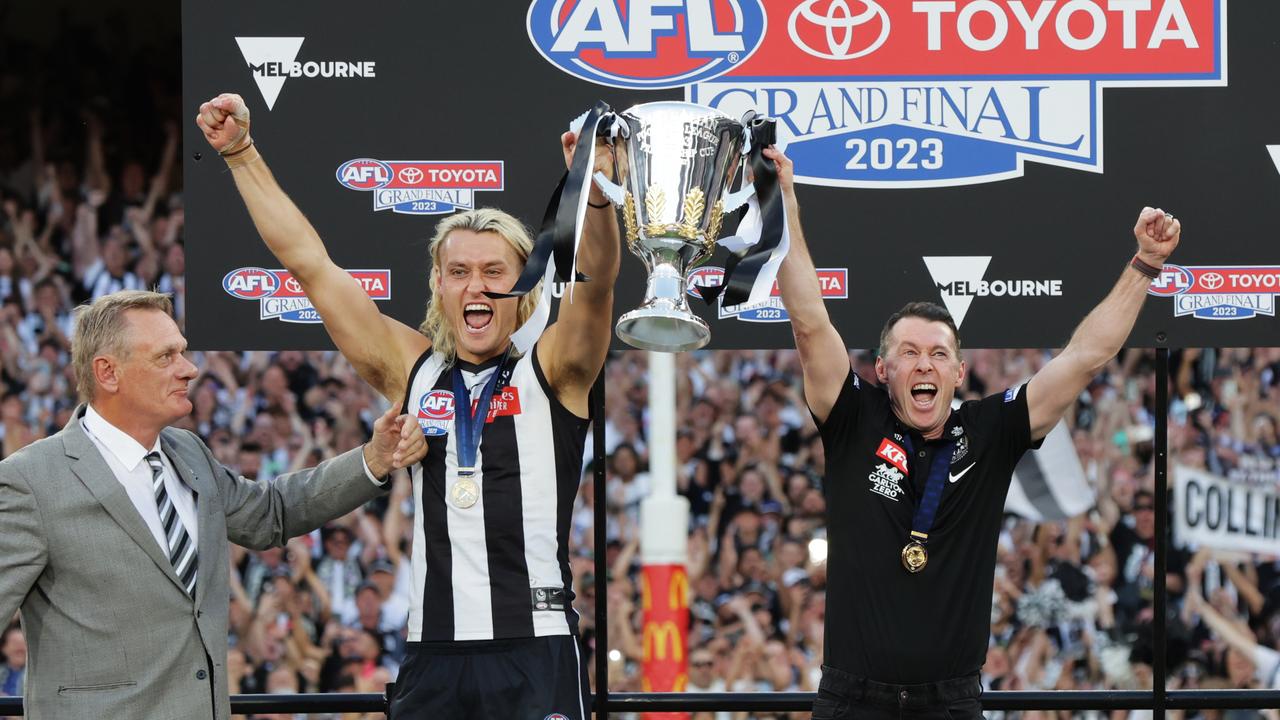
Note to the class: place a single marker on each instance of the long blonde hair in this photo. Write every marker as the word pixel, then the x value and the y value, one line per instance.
pixel 434 325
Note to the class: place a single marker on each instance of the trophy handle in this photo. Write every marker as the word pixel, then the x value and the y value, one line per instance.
pixel 611 190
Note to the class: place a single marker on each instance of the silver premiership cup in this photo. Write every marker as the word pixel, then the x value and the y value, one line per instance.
pixel 674 162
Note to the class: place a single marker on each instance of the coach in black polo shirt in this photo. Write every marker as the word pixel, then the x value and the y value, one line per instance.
pixel 915 490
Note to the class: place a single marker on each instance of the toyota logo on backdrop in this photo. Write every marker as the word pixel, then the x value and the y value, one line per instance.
pixel 838 26
pixel 1211 280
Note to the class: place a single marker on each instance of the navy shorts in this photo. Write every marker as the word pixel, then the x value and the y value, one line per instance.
pixel 534 678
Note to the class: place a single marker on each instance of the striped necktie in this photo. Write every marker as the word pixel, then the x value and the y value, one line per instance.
pixel 182 551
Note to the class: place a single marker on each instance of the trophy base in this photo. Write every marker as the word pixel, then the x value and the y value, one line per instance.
pixel 663 330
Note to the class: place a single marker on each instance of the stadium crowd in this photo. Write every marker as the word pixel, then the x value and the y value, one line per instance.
pixel 90 202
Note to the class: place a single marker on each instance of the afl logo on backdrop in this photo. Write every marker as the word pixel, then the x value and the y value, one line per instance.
pixel 1173 280
pixel 250 283
pixel 647 44
pixel 364 174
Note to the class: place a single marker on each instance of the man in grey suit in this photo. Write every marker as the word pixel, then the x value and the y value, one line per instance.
pixel 113 531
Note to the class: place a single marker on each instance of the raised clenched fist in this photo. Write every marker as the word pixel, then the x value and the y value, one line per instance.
pixel 224 120
pixel 1158 233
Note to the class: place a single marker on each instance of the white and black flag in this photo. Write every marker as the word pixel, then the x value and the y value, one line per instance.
pixel 1050 483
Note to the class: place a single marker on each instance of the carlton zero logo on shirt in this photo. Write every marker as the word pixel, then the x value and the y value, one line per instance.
pixel 435 409
pixel 886 478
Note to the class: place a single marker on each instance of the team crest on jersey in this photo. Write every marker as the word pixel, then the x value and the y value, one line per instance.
pixel 435 413
pixel 556 716
pixel 962 446
pixel 896 94
pixel 886 481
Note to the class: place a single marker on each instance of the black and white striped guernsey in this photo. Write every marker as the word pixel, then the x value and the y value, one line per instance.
pixel 500 568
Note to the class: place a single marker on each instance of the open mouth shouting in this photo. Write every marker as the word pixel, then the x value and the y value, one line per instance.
pixel 923 394
pixel 477 317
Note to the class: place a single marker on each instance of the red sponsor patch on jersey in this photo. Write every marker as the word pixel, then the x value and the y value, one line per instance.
pixel 891 451
pixel 506 402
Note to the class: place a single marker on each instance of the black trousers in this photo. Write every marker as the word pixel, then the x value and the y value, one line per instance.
pixel 533 678
pixel 842 696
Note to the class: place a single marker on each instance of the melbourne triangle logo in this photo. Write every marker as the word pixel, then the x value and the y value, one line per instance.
pixel 957 278
pixel 263 54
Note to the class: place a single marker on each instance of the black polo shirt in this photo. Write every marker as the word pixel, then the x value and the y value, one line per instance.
pixel 884 623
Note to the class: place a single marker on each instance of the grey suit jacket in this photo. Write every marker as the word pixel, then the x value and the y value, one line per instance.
pixel 110 631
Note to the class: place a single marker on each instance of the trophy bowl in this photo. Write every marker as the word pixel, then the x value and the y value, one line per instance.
pixel 674 162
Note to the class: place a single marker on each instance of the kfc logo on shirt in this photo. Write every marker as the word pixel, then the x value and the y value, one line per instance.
pixel 894 453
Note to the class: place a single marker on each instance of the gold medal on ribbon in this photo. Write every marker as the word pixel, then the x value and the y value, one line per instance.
pixel 914 556
pixel 464 493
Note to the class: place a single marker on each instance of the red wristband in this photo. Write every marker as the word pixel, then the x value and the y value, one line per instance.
pixel 1150 271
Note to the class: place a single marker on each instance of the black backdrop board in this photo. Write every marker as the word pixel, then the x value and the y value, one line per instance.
pixel 462 92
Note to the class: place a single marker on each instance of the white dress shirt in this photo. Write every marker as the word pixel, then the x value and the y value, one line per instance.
pixel 126 458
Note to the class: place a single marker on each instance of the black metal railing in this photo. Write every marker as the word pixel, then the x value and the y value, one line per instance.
pixel 1157 700
pixel 776 702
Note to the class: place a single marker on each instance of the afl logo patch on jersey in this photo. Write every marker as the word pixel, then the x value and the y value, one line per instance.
pixel 435 412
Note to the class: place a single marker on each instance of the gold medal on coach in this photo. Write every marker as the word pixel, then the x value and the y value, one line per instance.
pixel 914 556
pixel 464 493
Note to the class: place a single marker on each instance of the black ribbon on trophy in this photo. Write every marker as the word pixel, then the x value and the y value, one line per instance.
pixel 674 163
pixel 742 271
pixel 555 251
